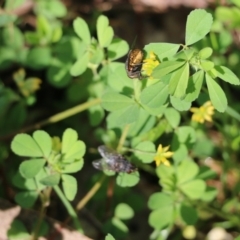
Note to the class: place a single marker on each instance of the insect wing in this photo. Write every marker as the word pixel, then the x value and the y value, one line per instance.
pixel 102 165
pixel 108 154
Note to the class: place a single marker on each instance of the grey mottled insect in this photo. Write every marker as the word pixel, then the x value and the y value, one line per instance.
pixel 113 161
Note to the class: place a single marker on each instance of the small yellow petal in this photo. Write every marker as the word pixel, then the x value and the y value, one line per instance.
pixel 203 113
pixel 165 148
pixel 159 148
pixel 167 163
pixel 162 155
pixel 168 154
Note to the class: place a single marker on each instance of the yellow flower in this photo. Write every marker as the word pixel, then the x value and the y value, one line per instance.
pixel 205 112
pixel 149 64
pixel 162 155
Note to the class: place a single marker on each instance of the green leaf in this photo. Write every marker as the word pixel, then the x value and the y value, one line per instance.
pixel 59 76
pixel 117 49
pixel 205 52
pixel 24 145
pixel 119 225
pixel 19 181
pixel 109 237
pixel 217 95
pixel 186 171
pixel 69 137
pixel 123 211
pixel 155 95
pixel 76 152
pixel 188 214
pixel 30 168
pixel 96 55
pixel 80 65
pixel 72 149
pixel 112 101
pixel 180 153
pixel 162 50
pixel 128 179
pixel 123 116
pixel 145 151
pixel 180 104
pixel 51 180
pixel 104 32
pixel 69 184
pixel 51 8
pixel 13 37
pixel 129 115
pixel 186 134
pixel 44 29
pixel 144 124
pixel 165 171
pixel 173 117
pixel 155 111
pixel 166 175
pixel 193 189
pixel 26 199
pixel 81 29
pixel 29 183
pixel 39 57
pixel 44 141
pixel 159 200
pixel 205 172
pixel 17 231
pixel 185 54
pixel 179 81
pixel 199 24
pixel 6 18
pixel 227 75
pixel 237 3
pixel 166 67
pixel 73 167
pixel 96 115
pixel 209 194
pixel 207 65
pixel 118 79
pixel 194 86
pixel 158 222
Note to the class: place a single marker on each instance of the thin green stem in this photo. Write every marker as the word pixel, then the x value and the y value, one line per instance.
pixel 123 137
pixel 88 196
pixel 90 193
pixel 139 151
pixel 231 112
pixel 39 222
pixel 137 88
pixel 69 208
pixel 70 112
pixel 44 197
pixel 58 117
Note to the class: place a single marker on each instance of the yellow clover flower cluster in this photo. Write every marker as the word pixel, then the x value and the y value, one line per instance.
pixel 203 113
pixel 162 155
pixel 149 64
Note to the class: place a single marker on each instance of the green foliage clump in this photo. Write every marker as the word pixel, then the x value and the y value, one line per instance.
pixel 141 116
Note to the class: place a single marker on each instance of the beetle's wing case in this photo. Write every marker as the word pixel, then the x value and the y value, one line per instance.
pixel 133 64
